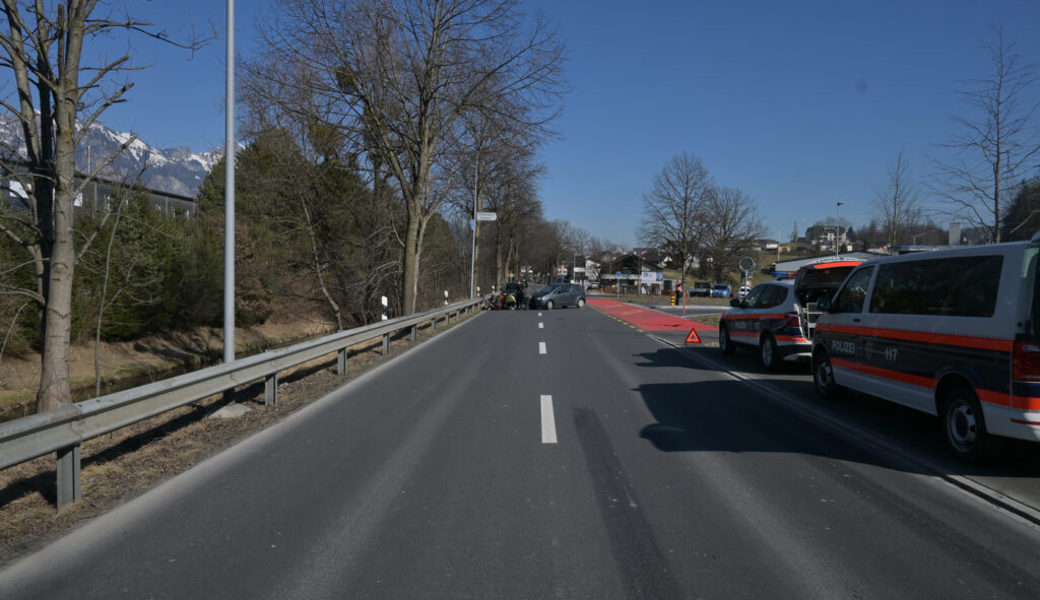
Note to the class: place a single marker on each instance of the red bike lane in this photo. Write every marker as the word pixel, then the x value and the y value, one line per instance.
pixel 646 319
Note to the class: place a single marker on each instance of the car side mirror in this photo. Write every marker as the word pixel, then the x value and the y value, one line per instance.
pixel 824 304
pixel 735 302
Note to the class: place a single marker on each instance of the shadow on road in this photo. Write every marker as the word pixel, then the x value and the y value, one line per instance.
pixel 727 415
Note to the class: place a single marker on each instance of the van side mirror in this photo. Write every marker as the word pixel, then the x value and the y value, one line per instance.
pixel 824 304
pixel 735 302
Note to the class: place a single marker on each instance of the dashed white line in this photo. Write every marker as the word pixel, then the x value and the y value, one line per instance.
pixel 548 421
pixel 541 348
pixel 541 326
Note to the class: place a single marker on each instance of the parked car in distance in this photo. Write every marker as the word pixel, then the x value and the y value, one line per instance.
pixel 701 288
pixel 768 321
pixel 559 295
pixel 721 290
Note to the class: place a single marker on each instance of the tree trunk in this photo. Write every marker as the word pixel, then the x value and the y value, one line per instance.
pixel 57 325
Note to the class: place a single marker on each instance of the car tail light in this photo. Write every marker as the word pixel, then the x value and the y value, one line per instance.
pixel 1025 361
pixel 792 319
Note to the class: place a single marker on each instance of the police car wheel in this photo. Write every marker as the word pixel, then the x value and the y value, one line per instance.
pixel 581 302
pixel 768 353
pixel 725 343
pixel 549 305
pixel 965 427
pixel 823 376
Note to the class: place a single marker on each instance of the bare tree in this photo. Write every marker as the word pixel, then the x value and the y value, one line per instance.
pixel 43 47
pixel 398 75
pixel 733 226
pixel 676 213
pixel 999 142
pixel 897 205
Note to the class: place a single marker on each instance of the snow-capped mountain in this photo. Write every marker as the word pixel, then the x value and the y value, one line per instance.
pixel 174 170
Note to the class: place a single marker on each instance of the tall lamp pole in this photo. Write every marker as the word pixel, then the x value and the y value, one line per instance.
pixel 837 227
pixel 229 188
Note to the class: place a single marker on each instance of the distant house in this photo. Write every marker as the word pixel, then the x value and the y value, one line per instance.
pixel 826 238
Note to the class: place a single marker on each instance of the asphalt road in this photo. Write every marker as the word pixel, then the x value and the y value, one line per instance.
pixel 555 456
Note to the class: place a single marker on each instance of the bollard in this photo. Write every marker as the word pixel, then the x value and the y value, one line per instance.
pixel 384 303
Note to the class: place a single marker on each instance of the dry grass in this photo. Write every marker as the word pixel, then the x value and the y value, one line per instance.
pixel 124 464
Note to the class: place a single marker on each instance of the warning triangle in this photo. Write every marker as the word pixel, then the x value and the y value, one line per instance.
pixel 693 338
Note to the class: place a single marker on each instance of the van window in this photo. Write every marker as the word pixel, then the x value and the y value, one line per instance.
pixel 958 287
pixel 852 297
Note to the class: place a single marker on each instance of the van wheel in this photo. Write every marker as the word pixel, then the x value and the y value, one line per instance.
pixel 965 427
pixel 549 305
pixel 725 343
pixel 581 302
pixel 768 353
pixel 823 376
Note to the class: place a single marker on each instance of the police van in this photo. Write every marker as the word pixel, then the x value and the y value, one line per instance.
pixel 954 333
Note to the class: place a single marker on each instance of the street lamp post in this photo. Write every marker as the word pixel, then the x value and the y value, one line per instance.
pixel 229 187
pixel 837 227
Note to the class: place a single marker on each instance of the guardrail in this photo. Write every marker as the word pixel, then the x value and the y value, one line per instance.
pixel 65 429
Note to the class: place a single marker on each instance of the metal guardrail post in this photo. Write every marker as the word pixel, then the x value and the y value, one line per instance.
pixel 386 344
pixel 415 332
pixel 271 390
pixel 341 362
pixel 433 324
pixel 68 471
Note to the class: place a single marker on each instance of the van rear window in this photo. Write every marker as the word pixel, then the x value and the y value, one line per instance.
pixel 958 287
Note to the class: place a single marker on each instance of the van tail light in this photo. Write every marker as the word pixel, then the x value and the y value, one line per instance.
pixel 1025 361
pixel 793 320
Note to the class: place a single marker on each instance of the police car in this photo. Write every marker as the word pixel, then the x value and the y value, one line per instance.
pixel 769 321
pixel 953 333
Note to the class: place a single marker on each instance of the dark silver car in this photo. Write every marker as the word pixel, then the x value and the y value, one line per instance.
pixel 559 295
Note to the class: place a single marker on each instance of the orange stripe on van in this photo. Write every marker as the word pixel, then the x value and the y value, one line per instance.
pixel 966 341
pixel 990 397
pixel 927 382
pixel 1025 403
pixel 997 398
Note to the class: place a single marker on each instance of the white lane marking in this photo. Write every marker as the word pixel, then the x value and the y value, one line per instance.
pixel 541 326
pixel 539 314
pixel 541 348
pixel 548 421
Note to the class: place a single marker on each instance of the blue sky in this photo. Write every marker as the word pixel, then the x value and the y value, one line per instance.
pixel 800 104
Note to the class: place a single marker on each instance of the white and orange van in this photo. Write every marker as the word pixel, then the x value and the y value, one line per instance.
pixel 954 333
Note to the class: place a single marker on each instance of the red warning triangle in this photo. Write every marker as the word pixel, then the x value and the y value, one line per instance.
pixel 693 338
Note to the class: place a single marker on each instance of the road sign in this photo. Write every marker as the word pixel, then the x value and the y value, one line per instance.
pixel 487 216
pixel 746 264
